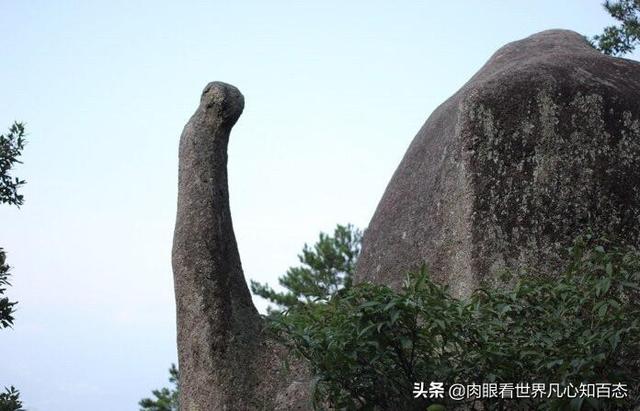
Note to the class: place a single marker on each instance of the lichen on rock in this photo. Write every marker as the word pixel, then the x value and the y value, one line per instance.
pixel 539 146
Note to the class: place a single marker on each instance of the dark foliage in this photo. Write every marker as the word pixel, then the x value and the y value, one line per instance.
pixel 10 400
pixel 368 344
pixel 165 399
pixel 326 267
pixel 6 306
pixel 11 146
pixel 622 38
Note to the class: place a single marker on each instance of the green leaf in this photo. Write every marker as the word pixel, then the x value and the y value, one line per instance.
pixel 394 316
pixel 603 310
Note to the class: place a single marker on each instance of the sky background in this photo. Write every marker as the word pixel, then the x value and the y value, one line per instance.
pixel 334 91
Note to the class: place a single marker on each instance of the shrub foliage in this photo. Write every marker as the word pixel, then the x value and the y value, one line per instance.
pixel 368 344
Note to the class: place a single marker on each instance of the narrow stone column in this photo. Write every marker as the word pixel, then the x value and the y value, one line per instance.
pixel 218 325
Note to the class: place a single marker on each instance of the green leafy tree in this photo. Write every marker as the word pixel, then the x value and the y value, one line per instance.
pixel 11 146
pixel 6 306
pixel 369 344
pixel 165 399
pixel 10 400
pixel 624 37
pixel 325 268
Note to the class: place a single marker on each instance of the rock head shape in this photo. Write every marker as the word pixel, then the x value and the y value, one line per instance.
pixel 540 145
pixel 225 360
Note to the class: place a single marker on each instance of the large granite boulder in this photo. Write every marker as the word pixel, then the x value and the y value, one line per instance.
pixel 540 145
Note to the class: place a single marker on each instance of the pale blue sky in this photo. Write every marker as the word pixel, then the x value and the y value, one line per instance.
pixel 334 91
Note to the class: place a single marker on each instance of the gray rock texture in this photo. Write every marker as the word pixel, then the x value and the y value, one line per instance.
pixel 226 360
pixel 541 144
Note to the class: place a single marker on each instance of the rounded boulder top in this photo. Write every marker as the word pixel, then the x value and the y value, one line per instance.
pixel 541 144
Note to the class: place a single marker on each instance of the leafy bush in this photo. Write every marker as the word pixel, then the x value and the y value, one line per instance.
pixel 369 344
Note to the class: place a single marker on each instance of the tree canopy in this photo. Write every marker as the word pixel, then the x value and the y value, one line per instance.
pixel 165 399
pixel 623 37
pixel 11 146
pixel 325 267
